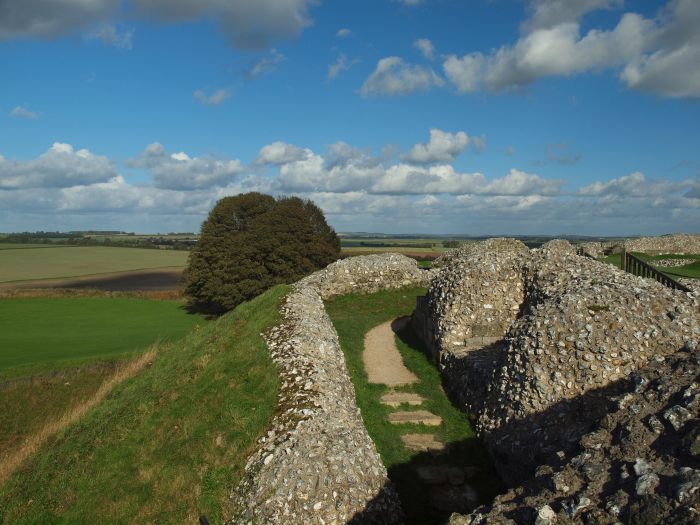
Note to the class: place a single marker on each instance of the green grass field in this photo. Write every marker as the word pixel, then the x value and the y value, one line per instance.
pixel 353 316
pixel 45 333
pixel 166 445
pixel 75 261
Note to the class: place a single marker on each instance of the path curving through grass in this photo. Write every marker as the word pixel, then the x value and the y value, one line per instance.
pixel 461 459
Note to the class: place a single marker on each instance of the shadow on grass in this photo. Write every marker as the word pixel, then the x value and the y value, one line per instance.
pixel 207 311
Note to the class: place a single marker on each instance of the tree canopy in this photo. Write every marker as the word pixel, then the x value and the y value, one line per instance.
pixel 253 241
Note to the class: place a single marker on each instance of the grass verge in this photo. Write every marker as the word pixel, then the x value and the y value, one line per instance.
pixel 353 316
pixel 166 445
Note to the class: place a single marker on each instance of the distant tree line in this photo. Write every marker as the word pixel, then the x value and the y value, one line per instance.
pixel 75 239
pixel 36 236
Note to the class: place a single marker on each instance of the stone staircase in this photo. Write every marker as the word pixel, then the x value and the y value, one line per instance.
pixel 447 484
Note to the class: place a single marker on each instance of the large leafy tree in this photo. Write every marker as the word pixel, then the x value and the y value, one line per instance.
pixel 253 241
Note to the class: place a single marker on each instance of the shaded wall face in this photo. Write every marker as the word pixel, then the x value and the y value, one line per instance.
pixel 475 304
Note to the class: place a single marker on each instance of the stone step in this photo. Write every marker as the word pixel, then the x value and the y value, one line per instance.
pixel 422 443
pixel 440 474
pixel 462 499
pixel 395 399
pixel 415 417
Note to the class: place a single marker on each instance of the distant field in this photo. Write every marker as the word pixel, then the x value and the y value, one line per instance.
pixel 689 270
pixel 354 241
pixel 42 332
pixel 65 261
pixel 20 246
pixel 430 247
pixel 396 249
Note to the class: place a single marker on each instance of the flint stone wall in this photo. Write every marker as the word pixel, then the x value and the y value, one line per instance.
pixel 317 464
pixel 572 326
pixel 675 243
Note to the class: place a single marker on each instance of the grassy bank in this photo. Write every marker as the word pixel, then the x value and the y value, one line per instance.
pixel 28 404
pixel 166 445
pixel 353 316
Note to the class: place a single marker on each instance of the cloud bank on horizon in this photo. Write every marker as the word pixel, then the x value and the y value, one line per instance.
pixel 540 121
pixel 418 188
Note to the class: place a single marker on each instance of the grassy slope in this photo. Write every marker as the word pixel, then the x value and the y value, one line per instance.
pixel 27 405
pixel 166 445
pixel 47 330
pixel 62 262
pixel 353 316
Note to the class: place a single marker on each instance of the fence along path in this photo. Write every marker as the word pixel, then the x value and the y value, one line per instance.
pixel 636 266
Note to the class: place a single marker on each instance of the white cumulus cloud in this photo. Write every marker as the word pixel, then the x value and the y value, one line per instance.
pixel 23 112
pixel 443 146
pixel 266 64
pixel 61 166
pixel 281 153
pixel 550 13
pixel 658 55
pixel 214 99
pixel 110 35
pixel 426 48
pixel 248 24
pixel 179 171
pixel 394 76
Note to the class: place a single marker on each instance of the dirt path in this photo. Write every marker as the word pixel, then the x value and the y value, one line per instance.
pixel 382 359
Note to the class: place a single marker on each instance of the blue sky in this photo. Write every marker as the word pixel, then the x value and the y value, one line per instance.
pixel 406 116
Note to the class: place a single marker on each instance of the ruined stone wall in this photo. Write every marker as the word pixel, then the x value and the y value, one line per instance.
pixel 674 243
pixel 467 311
pixel 580 325
pixel 317 464
pixel 477 295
